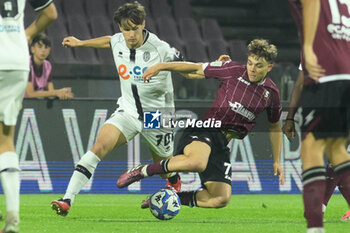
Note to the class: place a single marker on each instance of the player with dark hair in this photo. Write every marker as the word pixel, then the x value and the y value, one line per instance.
pixel 245 92
pixel 325 36
pixel 40 75
pixel 134 49
pixel 14 69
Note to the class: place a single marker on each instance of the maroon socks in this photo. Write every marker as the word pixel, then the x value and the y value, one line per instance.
pixel 313 194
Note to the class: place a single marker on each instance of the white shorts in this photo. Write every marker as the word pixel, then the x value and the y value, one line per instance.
pixel 12 87
pixel 160 141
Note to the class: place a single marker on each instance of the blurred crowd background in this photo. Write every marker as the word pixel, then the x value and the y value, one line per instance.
pixel 201 29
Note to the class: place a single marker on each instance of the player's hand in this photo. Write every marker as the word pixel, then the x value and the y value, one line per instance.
pixel 150 72
pixel 71 41
pixel 289 129
pixel 311 64
pixel 224 58
pixel 277 170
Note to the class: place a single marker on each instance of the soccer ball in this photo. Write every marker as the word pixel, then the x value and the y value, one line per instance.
pixel 165 204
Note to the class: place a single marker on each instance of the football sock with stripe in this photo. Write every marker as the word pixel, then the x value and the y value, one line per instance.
pixel 9 168
pixel 331 183
pixel 188 198
pixel 157 168
pixel 343 172
pixel 314 187
pixel 81 175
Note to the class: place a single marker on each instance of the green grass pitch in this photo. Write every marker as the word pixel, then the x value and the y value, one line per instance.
pixel 122 213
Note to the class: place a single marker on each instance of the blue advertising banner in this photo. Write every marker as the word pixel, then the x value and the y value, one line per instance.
pixel 52 136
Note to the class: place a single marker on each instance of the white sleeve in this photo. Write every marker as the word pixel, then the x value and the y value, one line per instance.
pixel 168 53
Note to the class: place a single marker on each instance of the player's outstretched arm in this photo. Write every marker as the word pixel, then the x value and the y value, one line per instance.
pixel 289 126
pixel 45 18
pixel 192 75
pixel 98 43
pixel 222 58
pixel 181 67
pixel 276 144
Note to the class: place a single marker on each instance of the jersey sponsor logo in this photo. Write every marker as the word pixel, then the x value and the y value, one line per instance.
pixel 9 28
pixel 240 109
pixel 146 56
pixel 216 63
pixel 151 120
pixel 136 72
pixel 243 81
pixel 339 28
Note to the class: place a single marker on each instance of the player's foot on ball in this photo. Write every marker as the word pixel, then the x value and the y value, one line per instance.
pixel 61 206
pixel 176 186
pixel 131 176
pixel 346 216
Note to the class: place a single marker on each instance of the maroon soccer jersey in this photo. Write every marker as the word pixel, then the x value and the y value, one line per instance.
pixel 332 39
pixel 239 101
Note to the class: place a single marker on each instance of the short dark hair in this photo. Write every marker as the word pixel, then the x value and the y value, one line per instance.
pixel 134 12
pixel 262 48
pixel 43 38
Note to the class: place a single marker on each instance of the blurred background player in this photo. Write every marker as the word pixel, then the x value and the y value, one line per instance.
pixel 244 93
pixel 325 40
pixel 14 69
pixel 40 75
pixel 332 179
pixel 133 49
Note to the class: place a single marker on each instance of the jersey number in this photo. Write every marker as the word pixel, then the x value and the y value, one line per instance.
pixel 228 170
pixel 169 137
pixel 8 8
pixel 336 17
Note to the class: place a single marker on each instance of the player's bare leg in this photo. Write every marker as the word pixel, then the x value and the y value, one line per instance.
pixel 195 159
pixel 216 195
pixel 340 160
pixel 313 177
pixel 108 138
pixel 9 167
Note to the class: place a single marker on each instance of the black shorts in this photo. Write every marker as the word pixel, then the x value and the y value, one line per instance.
pixel 326 109
pixel 219 165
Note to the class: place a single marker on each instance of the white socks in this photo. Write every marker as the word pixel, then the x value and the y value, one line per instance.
pixel 9 167
pixel 81 175
pixel 315 230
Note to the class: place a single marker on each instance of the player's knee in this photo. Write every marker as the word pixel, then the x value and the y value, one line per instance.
pixel 100 149
pixel 221 202
pixel 197 165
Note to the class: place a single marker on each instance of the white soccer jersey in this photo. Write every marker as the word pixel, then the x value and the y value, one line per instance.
pixel 138 96
pixel 14 54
